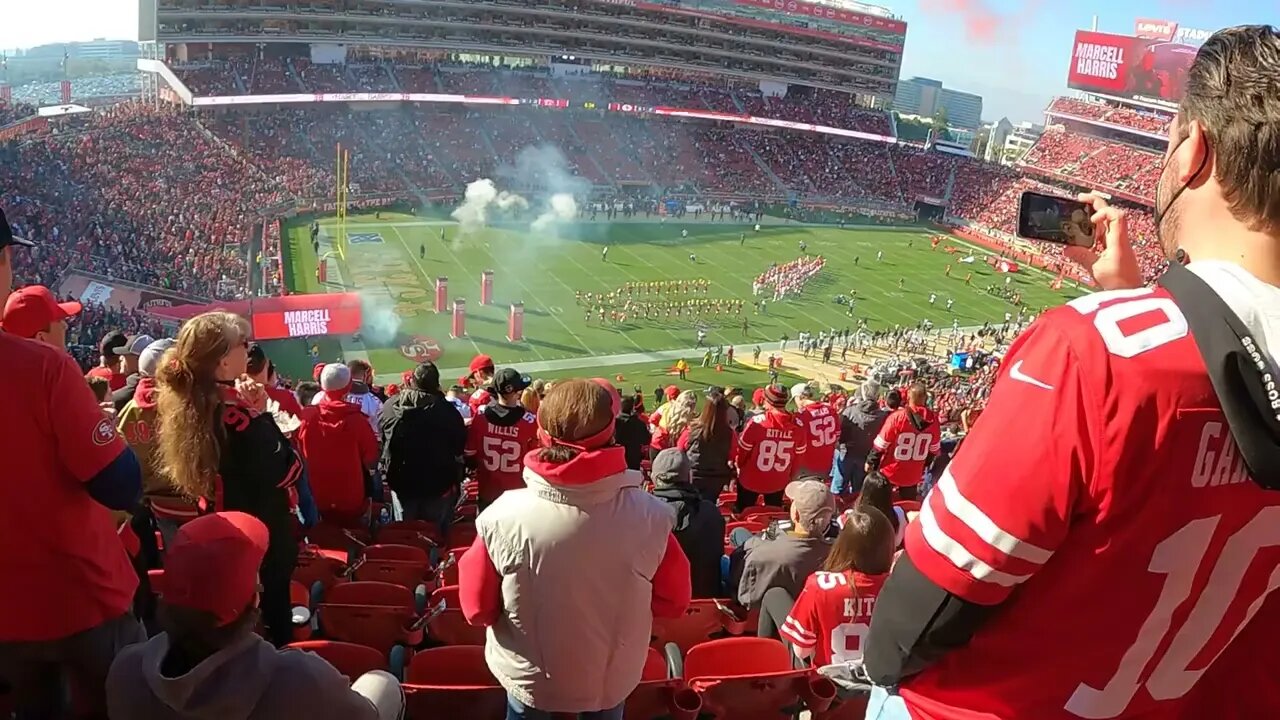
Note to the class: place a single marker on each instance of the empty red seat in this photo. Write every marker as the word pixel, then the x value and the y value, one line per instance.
pixel 418 533
pixel 316 566
pixel 701 621
pixel 461 534
pixel 748 678
pixel 404 565
pixel 380 615
pixel 764 513
pixel 660 696
pixel 753 526
pixel 349 659
pixel 449 627
pixel 446 683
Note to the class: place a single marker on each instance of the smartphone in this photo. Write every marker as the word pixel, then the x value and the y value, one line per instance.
pixel 1055 219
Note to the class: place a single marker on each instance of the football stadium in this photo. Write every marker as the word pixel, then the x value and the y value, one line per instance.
pixel 597 359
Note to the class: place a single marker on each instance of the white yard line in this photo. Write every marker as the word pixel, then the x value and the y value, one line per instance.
pixel 427 282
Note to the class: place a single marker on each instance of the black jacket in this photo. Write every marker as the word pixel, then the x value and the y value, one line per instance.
pixel 709 461
pixel 256 470
pixel 700 531
pixel 859 424
pixel 423 437
pixel 633 435
pixel 121 397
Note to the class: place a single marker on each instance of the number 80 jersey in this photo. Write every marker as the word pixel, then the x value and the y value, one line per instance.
pixel 1102 504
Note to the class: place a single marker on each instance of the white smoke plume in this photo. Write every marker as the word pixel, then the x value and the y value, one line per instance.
pixel 380 324
pixel 561 207
pixel 479 198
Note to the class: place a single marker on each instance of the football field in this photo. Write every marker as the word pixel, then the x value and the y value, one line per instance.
pixel 393 263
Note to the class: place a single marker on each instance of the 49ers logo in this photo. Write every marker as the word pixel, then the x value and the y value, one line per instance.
pixel 104 432
pixel 421 349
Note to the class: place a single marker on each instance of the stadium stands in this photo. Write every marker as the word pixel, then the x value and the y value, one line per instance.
pixel 1151 122
pixel 1095 162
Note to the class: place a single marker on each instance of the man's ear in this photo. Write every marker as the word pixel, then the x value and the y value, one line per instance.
pixel 1193 154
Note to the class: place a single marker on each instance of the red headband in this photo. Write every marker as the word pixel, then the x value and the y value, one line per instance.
pixel 586 444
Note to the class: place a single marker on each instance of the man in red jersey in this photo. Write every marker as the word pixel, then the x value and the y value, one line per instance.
pixel 68 583
pixel 340 450
pixel 1100 546
pixel 499 437
pixel 907 443
pixel 771 448
pixel 108 366
pixel 823 426
pixel 479 378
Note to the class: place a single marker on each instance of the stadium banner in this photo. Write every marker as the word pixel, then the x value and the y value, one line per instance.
pixel 795 7
pixel 1130 67
pixel 1169 31
pixel 289 316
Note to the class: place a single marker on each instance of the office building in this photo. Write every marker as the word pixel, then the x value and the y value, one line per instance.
pixel 926 97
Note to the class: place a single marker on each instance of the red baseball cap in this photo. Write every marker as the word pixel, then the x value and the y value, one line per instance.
pixel 481 362
pixel 213 564
pixel 672 392
pixel 33 309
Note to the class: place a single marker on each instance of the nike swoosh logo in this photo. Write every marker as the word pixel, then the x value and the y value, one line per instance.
pixel 1016 373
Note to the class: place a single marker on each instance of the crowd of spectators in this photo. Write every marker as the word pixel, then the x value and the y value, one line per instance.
pixel 1152 121
pixel 15 111
pixel 1095 161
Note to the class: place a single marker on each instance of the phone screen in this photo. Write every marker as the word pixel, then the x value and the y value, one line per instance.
pixel 1055 219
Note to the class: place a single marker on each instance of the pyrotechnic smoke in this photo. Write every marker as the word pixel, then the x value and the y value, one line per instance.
pixel 380 323
pixel 983 23
pixel 479 197
pixel 561 207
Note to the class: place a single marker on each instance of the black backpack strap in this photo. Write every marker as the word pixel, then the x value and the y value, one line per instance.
pixel 1244 379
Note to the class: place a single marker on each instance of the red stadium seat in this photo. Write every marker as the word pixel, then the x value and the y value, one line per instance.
pixel 452 683
pixel 908 505
pixel 449 627
pixel 754 526
pixel 404 565
pixel 380 615
pixel 701 621
pixel 461 534
pixel 349 659
pixel 315 566
pixel 764 513
pixel 418 533
pixel 659 695
pixel 747 678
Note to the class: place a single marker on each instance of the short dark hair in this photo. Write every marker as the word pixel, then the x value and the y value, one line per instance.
pixel 893 400
pixel 360 369
pixel 306 390
pixel 99 386
pixel 1233 90
pixel 426 377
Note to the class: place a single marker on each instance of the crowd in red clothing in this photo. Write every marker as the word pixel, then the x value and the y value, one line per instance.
pixel 1152 121
pixel 1096 162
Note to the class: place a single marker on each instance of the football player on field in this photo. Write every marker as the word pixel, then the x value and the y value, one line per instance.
pixel 1102 545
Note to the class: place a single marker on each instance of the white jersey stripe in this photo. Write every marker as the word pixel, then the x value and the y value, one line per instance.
pixel 946 546
pixel 984 527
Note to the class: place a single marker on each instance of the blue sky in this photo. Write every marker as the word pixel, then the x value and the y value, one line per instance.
pixel 1012 52
pixel 1015 52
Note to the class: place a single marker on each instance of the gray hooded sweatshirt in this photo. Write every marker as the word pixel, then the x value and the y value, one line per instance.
pixel 247 680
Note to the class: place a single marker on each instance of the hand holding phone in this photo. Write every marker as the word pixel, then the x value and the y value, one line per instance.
pixel 1116 266
pixel 1055 219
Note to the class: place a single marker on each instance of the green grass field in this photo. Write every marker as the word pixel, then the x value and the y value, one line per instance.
pixel 545 273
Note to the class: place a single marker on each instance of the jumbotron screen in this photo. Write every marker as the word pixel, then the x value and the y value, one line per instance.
pixel 1150 70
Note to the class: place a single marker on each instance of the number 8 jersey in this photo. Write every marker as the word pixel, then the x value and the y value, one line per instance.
pixel 1101 503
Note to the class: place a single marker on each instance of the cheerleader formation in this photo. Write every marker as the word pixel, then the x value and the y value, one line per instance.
pixel 787 279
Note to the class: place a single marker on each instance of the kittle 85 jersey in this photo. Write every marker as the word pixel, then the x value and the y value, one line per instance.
pixel 1103 504
pixel 833 615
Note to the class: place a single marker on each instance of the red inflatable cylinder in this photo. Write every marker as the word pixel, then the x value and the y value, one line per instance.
pixel 486 287
pixel 515 323
pixel 322 271
pixel 459 328
pixel 442 294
